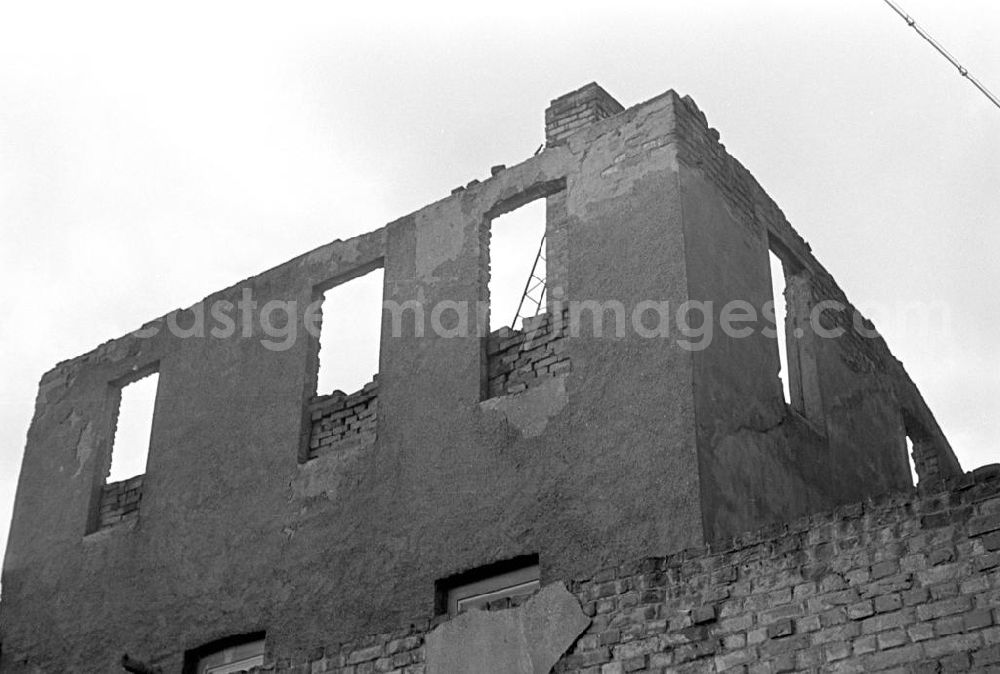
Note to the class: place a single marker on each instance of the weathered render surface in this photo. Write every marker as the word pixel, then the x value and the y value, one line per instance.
pixel 903 583
pixel 637 447
pixel 843 434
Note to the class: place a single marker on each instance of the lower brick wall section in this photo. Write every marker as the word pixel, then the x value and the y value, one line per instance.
pixel 519 359
pixel 120 501
pixel 903 583
pixel 342 421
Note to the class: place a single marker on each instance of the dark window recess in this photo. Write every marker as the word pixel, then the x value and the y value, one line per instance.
pixel 494 586
pixel 231 654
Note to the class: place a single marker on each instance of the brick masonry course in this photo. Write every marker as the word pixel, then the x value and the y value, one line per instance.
pixel 341 421
pixel 908 582
pixel 520 359
pixel 120 501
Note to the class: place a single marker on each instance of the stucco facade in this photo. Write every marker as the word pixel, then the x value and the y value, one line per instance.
pixel 646 441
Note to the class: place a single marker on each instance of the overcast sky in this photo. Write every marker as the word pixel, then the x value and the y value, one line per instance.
pixel 153 153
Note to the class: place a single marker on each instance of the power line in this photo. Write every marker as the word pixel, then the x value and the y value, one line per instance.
pixel 944 52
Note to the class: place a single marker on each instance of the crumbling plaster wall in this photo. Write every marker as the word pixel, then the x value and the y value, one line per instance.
pixel 559 488
pixel 236 534
pixel 908 581
pixel 605 462
pixel 762 460
pixel 216 507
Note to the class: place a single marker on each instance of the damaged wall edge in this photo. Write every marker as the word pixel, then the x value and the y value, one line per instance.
pixel 624 448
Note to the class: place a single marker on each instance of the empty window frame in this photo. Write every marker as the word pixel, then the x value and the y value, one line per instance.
pixel 516 259
pixel 914 477
pixel 778 295
pixel 921 453
pixel 226 656
pixel 522 263
pixel 797 342
pixel 132 422
pixel 517 237
pixel 350 333
pixel 476 589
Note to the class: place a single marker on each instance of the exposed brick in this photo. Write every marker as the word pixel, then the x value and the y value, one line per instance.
pixel 521 359
pixel 898 581
pixel 838 650
pixel 866 644
pixel 920 632
pixel 703 614
pixel 120 501
pixel 887 621
pixel 956 662
pixel 891 638
pixel 986 656
pixel 956 643
pixel 893 657
pixel 983 524
pixel 943 608
pixel 781 628
pixel 341 422
pixel 977 620
pixel 941 556
pixel 861 609
pixel 888 602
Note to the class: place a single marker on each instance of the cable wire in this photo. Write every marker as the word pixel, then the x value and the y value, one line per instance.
pixel 944 52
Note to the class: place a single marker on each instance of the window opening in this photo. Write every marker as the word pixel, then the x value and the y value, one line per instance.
pixel 350 334
pixel 226 656
pixel 778 287
pixel 914 478
pixel 480 587
pixel 517 265
pixel 133 428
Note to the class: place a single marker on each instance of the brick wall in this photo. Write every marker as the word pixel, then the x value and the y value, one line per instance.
pixel 576 110
pixel 120 501
pixel 902 581
pixel 341 421
pixel 519 359
pixel 398 652
pixel 907 582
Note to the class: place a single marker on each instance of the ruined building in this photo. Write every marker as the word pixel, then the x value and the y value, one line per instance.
pixel 618 492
